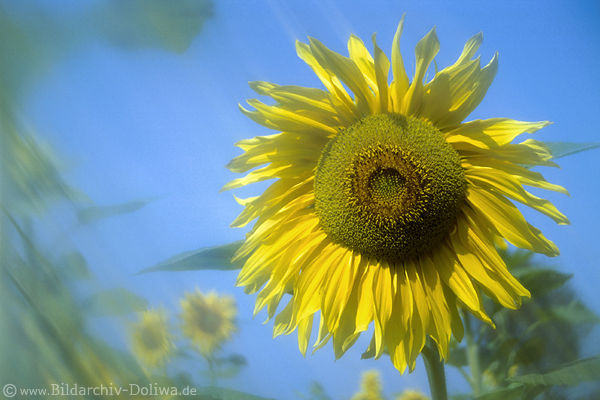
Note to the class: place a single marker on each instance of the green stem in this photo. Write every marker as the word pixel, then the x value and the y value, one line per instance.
pixel 472 357
pixel 211 369
pixel 435 371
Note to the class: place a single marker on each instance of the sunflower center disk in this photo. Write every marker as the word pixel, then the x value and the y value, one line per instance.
pixel 389 187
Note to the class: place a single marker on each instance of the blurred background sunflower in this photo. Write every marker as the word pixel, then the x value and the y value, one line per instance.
pixel 151 340
pixel 208 320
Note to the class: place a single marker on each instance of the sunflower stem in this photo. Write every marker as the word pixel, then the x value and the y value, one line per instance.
pixel 435 371
pixel 211 369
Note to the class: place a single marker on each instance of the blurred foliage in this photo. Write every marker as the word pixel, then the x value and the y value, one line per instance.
pixel 91 214
pixel 316 392
pixel 217 258
pixel 32 39
pixel 534 351
pixel 48 295
pixel 563 149
pixel 371 388
pixel 50 300
pixel 133 24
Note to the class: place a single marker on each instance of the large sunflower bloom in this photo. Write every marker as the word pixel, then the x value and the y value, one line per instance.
pixel 208 320
pixel 151 340
pixel 386 207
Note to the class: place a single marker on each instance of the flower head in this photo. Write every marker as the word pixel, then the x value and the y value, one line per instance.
pixel 386 208
pixel 208 320
pixel 410 394
pixel 370 386
pixel 150 338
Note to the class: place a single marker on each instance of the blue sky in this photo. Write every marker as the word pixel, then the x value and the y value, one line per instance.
pixel 148 124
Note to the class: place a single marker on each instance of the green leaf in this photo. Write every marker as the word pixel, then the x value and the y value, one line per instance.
pixel 562 149
pixel 117 301
pixel 317 392
pixel 584 370
pixel 168 25
pixel 235 359
pixel 457 357
pixel 216 393
pixel 540 281
pixel 575 313
pixel 517 258
pixel 460 396
pixel 92 214
pixel 75 266
pixel 217 258
pixel 530 351
pixel 510 393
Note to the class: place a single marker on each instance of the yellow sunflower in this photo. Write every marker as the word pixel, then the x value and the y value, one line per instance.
pixel 151 340
pixel 410 394
pixel 370 386
pixel 386 207
pixel 208 320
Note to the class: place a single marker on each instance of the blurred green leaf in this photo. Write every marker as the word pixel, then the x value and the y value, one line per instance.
pixel 235 359
pixel 317 392
pixel 510 393
pixel 457 357
pixel 92 214
pixel 574 373
pixel 460 396
pixel 218 258
pixel 517 258
pixel 117 301
pixel 230 366
pixel 216 393
pixel 540 281
pixel 169 25
pixel 562 149
pixel 75 266
pixel 575 313
pixel 531 351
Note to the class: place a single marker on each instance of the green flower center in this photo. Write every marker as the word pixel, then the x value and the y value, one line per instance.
pixel 389 187
pixel 209 321
pixel 152 337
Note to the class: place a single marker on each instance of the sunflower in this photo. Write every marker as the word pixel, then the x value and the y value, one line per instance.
pixel 370 386
pixel 386 207
pixel 410 394
pixel 150 338
pixel 208 320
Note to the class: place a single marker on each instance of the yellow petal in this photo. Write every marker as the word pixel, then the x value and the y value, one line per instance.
pixel 426 50
pixel 347 71
pixel 454 276
pixel 383 294
pixel 363 60
pixel 382 67
pixel 340 98
pixel 500 130
pixel 510 187
pixel 304 331
pixel 400 83
pixel 509 221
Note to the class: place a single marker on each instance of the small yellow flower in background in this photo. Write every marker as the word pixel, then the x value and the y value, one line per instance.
pixel 387 208
pixel 370 386
pixel 208 320
pixel 150 338
pixel 410 394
